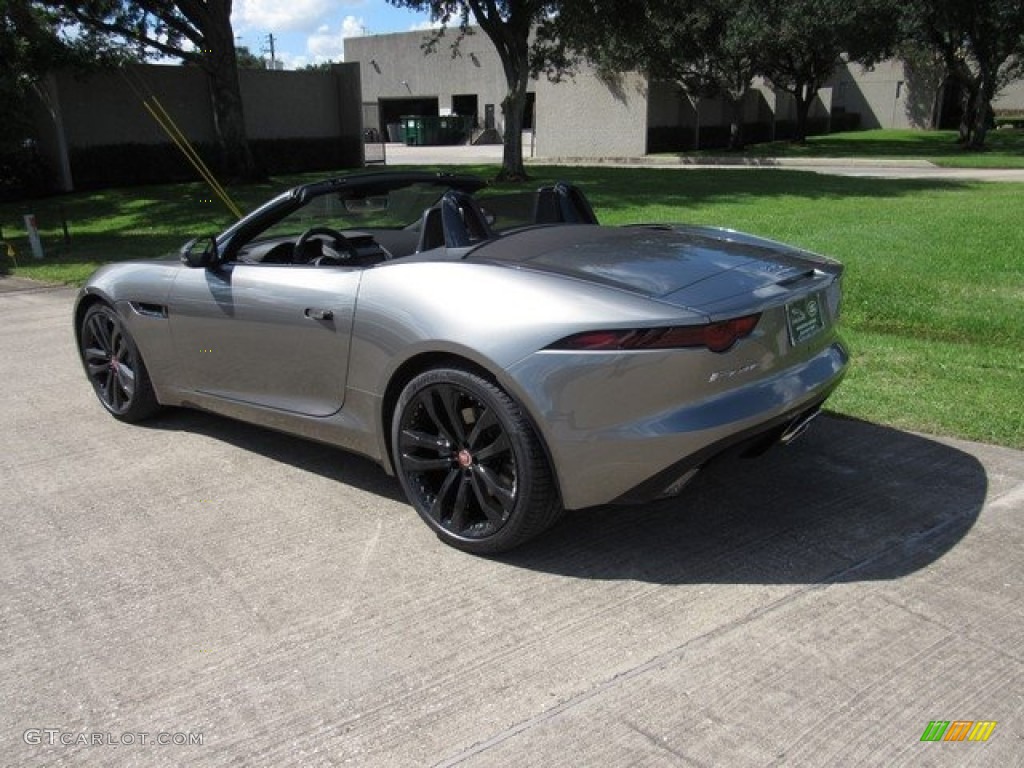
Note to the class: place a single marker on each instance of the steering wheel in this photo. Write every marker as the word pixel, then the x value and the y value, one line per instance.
pixel 340 244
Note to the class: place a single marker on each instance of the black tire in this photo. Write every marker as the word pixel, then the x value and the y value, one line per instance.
pixel 470 462
pixel 114 366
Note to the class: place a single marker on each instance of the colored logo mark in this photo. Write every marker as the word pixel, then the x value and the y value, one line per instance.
pixel 958 730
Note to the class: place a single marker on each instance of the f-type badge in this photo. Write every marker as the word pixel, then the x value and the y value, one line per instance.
pixel 732 372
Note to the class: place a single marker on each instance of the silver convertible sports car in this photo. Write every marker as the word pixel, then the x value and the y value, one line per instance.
pixel 506 357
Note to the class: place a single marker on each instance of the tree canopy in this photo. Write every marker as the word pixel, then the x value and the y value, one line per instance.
pixel 710 48
pixel 196 31
pixel 32 43
pixel 806 39
pixel 716 47
pixel 981 44
pixel 247 59
pixel 29 46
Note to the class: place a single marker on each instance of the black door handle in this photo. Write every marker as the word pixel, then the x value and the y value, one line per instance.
pixel 319 314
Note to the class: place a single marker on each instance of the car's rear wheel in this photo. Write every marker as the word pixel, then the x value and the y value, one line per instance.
pixel 114 365
pixel 470 462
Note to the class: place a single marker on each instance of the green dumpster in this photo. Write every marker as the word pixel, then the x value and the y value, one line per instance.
pixel 431 130
pixel 412 127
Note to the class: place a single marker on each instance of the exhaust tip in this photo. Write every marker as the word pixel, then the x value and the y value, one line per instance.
pixel 676 487
pixel 798 426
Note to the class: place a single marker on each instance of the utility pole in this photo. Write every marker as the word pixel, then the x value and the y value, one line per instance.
pixel 270 45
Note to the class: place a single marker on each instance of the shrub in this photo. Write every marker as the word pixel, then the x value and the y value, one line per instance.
pixel 133 164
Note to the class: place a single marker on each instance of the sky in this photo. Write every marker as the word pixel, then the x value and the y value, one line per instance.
pixel 311 31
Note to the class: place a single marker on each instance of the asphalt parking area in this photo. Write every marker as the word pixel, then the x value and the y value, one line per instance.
pixel 202 580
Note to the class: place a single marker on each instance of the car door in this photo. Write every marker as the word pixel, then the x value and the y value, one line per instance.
pixel 275 336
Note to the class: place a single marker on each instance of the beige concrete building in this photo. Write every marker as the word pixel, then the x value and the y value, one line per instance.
pixel 587 117
pixel 398 78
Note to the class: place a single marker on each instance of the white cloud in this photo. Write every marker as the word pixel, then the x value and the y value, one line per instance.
pixel 353 27
pixel 278 16
pixel 425 26
pixel 325 45
pixel 294 62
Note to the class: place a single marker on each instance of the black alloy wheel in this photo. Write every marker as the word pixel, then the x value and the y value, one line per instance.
pixel 114 366
pixel 470 462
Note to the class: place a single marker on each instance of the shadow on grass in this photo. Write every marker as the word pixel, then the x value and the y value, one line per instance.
pixel 851 501
pixel 688 190
pixel 146 222
pixel 85 248
pixel 612 189
pixel 888 144
pixel 175 211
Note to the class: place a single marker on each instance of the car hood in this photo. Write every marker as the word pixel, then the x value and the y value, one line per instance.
pixel 696 267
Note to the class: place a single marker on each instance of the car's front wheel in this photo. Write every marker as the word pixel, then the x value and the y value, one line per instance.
pixel 114 365
pixel 470 462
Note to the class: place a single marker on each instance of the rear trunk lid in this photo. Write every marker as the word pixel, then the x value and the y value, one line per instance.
pixel 713 271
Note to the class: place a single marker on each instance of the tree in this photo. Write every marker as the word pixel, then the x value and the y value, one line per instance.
pixel 710 48
pixel 247 59
pixel 715 48
pixel 805 39
pixel 981 44
pixel 508 24
pixel 926 77
pixel 728 55
pixel 31 45
pixel 196 31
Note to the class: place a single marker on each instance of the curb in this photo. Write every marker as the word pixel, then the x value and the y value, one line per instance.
pixel 741 162
pixel 12 284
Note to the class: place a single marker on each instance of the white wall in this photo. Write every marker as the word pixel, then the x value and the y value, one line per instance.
pixel 587 117
pixel 1011 97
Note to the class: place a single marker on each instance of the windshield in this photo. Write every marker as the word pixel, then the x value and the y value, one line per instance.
pixel 352 210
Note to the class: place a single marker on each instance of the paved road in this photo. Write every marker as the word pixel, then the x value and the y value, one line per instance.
pixel 881 168
pixel 195 576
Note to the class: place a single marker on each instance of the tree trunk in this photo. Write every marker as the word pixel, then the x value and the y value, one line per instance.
pixel 938 100
pixel 982 112
pixel 517 73
pixel 734 106
pixel 512 107
pixel 968 102
pixel 508 25
pixel 804 97
pixel 221 67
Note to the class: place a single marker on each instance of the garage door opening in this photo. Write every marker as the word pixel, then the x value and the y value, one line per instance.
pixel 393 110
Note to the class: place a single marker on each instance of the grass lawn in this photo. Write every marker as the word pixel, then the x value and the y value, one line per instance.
pixel 934 308
pixel 1003 149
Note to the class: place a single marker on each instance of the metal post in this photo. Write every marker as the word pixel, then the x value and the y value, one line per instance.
pixel 33 235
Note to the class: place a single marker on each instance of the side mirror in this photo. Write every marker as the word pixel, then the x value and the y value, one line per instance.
pixel 199 252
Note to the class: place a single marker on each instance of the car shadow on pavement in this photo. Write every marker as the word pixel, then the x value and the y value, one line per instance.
pixel 324 460
pixel 850 501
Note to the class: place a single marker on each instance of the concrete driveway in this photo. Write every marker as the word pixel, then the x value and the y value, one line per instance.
pixel 197 580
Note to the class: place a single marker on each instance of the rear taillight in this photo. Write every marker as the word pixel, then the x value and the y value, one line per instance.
pixel 718 337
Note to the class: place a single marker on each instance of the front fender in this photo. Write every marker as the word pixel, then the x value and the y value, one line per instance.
pixel 138 292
